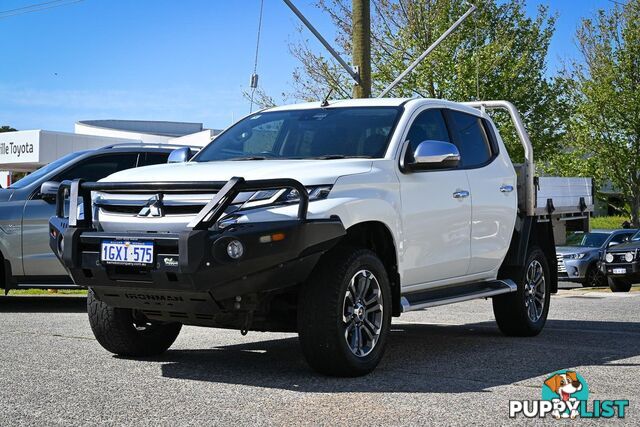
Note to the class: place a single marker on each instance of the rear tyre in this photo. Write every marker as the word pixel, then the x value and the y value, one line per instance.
pixel 128 332
pixel 344 313
pixel 594 278
pixel 619 285
pixel 523 313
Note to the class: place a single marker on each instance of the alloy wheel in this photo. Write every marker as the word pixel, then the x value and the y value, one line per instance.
pixel 362 313
pixel 534 290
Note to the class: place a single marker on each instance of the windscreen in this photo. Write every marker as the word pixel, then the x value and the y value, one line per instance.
pixel 38 173
pixel 320 133
pixel 593 240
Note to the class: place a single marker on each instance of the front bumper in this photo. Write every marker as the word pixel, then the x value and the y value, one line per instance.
pixel 573 269
pixel 614 269
pixel 192 273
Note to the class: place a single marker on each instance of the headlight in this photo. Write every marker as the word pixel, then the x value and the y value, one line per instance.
pixel 315 193
pixel 608 257
pixel 575 256
pixel 629 256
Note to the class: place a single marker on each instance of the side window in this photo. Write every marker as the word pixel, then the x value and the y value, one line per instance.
pixel 429 124
pixel 471 138
pixel 98 167
pixel 621 238
pixel 153 158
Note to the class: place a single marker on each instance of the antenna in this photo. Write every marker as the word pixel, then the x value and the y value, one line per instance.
pixel 435 44
pixel 325 101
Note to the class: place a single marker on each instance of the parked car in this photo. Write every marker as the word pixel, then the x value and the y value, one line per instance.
pixel 326 220
pixel 621 265
pixel 578 261
pixel 27 205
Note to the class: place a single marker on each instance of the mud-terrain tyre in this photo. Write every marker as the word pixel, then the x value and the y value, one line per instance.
pixel 514 312
pixel 128 333
pixel 619 285
pixel 344 313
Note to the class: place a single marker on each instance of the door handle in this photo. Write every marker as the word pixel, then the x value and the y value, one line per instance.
pixel 460 194
pixel 506 189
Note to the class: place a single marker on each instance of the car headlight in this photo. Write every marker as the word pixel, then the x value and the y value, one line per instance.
pixel 608 257
pixel 629 256
pixel 315 193
pixel 576 256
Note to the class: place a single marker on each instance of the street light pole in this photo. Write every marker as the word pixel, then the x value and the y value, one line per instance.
pixel 361 33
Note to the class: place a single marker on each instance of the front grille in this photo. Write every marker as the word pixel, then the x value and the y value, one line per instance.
pixel 168 210
pixel 561 267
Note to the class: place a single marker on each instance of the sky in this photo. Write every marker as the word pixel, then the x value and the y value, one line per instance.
pixel 171 60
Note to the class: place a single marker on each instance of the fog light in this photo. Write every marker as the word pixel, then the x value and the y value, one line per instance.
pixel 608 258
pixel 628 256
pixel 235 249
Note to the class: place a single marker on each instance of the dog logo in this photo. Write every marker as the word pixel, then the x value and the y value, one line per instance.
pixel 564 395
pixel 567 387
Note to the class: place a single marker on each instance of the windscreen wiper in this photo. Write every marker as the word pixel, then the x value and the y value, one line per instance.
pixel 339 156
pixel 249 158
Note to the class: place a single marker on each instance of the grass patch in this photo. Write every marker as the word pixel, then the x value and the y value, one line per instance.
pixel 608 222
pixel 48 292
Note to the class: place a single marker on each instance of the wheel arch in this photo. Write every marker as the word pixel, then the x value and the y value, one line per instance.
pixel 377 237
pixel 529 232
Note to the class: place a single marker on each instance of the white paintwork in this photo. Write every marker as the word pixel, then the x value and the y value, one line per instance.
pixel 439 240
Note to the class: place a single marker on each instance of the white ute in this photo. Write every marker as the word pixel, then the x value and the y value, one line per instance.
pixel 321 219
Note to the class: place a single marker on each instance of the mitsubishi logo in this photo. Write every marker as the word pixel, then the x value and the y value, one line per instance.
pixel 154 207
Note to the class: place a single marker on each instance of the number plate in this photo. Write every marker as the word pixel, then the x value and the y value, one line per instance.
pixel 127 253
pixel 619 271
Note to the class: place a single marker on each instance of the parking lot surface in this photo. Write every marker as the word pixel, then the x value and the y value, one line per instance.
pixel 448 366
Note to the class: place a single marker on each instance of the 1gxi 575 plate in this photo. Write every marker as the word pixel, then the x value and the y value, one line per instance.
pixel 126 253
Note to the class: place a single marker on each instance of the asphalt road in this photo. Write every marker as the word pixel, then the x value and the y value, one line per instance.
pixel 445 366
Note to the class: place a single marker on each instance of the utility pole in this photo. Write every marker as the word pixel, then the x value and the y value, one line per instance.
pixel 361 33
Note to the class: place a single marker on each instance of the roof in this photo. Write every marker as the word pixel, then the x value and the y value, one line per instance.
pixel 607 231
pixel 376 102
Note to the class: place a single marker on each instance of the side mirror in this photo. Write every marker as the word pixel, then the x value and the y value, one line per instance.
pixel 433 154
pixel 179 155
pixel 49 190
pixel 612 244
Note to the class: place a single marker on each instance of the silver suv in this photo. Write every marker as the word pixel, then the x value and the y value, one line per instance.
pixel 27 205
pixel 578 261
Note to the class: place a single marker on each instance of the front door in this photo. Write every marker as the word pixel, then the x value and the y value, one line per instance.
pixel 37 258
pixel 436 212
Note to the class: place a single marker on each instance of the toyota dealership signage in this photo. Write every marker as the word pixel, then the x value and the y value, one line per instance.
pixel 20 147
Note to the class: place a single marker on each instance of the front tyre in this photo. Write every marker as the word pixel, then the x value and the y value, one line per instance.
pixel 128 332
pixel 594 278
pixel 523 313
pixel 344 313
pixel 619 285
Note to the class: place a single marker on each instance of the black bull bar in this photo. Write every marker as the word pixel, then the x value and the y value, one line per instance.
pixel 202 265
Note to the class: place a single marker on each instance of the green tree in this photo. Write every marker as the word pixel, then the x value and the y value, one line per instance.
pixel 499 53
pixel 6 129
pixel 604 83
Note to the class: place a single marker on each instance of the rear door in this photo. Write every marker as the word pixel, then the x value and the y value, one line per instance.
pixel 492 181
pixel 37 258
pixel 436 221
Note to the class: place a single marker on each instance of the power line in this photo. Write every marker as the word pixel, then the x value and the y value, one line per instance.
pixel 37 7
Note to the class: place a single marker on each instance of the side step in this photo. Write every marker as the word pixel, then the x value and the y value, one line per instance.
pixel 458 293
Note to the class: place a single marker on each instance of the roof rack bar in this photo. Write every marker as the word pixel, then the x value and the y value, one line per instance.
pixel 435 44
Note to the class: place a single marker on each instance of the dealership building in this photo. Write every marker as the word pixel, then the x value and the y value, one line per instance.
pixel 26 151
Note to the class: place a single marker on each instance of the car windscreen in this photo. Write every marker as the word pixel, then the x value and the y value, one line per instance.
pixel 306 134
pixel 636 236
pixel 593 240
pixel 39 173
